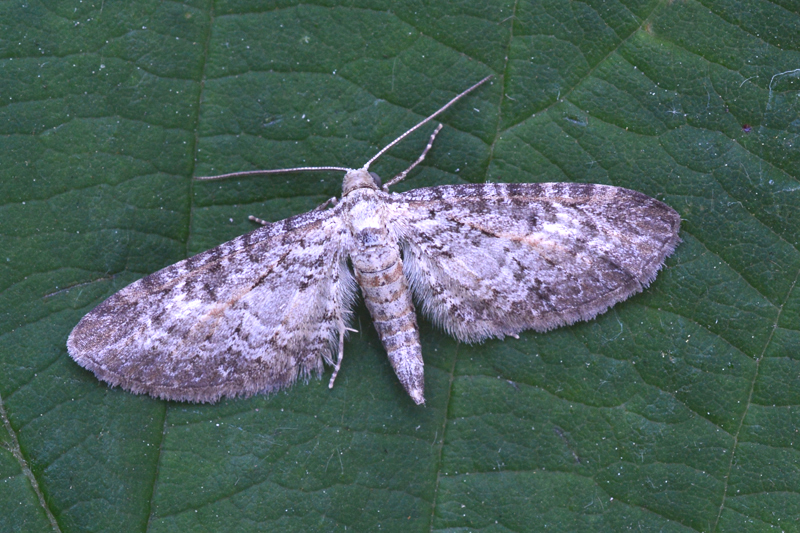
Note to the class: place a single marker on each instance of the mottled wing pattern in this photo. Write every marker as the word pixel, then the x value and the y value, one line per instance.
pixel 251 315
pixel 495 259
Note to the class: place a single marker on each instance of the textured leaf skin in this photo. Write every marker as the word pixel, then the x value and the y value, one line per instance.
pixel 675 411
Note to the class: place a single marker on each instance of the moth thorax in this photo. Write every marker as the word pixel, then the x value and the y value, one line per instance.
pixel 359 179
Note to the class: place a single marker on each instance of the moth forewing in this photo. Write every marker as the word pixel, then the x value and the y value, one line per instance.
pixel 491 260
pixel 251 315
pixel 256 313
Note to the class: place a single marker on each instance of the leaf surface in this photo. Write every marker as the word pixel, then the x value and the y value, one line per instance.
pixel 677 410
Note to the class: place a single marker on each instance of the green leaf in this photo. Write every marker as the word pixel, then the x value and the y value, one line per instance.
pixel 677 410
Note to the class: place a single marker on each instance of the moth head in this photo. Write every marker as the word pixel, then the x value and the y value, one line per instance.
pixel 359 179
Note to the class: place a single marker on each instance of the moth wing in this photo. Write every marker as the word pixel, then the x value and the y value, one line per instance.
pixel 251 315
pixel 495 259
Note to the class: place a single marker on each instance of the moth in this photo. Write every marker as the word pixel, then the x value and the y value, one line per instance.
pixel 486 260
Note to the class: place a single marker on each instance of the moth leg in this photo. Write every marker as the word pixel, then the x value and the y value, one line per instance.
pixel 338 358
pixel 320 207
pixel 323 205
pixel 258 220
pixel 400 177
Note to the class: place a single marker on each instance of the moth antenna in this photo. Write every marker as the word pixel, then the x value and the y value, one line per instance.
pixel 248 173
pixel 415 128
pixel 400 177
